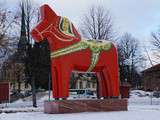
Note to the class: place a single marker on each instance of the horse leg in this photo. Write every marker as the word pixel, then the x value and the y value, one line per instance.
pixel 111 73
pixel 55 83
pixel 100 85
pixel 60 82
pixel 64 77
pixel 107 84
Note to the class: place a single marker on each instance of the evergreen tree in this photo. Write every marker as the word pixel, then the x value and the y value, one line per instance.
pixel 23 38
pixel 25 51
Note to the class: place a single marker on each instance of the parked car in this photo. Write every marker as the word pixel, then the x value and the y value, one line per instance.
pixel 82 93
pixel 156 94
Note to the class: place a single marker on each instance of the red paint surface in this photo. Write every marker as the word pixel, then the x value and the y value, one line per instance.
pixel 4 92
pixel 106 68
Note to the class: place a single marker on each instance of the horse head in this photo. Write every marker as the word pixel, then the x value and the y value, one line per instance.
pixel 54 27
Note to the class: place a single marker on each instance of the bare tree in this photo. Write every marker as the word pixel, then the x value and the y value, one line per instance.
pixel 6 21
pixel 97 24
pixel 128 46
pixel 25 44
pixel 128 57
pixel 156 43
pixel 156 39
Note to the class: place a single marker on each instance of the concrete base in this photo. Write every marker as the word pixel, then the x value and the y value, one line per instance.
pixel 75 106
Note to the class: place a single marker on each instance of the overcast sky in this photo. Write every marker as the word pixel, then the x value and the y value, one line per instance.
pixel 138 17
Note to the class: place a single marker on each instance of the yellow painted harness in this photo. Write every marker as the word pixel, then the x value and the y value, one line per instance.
pixel 96 48
pixel 65 26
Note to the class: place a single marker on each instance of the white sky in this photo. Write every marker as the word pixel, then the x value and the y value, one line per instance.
pixel 138 17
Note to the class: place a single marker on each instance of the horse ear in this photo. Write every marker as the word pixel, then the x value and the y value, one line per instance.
pixel 47 13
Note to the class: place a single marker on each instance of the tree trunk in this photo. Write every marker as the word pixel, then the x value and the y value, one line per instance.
pixel 34 100
pixel 19 87
pixel 19 84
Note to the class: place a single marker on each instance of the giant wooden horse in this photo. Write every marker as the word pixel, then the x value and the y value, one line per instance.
pixel 69 52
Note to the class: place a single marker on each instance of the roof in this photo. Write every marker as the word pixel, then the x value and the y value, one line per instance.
pixel 153 68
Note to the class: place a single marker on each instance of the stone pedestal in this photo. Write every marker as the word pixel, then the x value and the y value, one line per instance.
pixel 75 106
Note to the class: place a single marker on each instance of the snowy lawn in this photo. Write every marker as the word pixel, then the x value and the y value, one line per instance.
pixel 134 113
pixel 139 108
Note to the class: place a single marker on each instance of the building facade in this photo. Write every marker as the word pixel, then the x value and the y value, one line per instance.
pixel 13 72
pixel 151 78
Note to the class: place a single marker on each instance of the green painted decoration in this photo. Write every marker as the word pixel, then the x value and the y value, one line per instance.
pixel 65 26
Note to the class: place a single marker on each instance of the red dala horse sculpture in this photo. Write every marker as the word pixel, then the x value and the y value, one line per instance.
pixel 69 52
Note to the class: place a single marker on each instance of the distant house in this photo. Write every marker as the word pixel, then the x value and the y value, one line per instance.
pixel 13 72
pixel 151 78
pixel 83 81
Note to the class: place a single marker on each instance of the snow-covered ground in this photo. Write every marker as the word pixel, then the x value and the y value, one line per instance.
pixel 146 113
pixel 139 97
pixel 139 108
